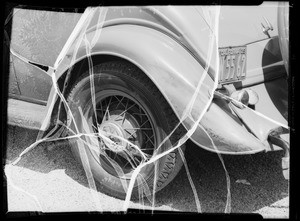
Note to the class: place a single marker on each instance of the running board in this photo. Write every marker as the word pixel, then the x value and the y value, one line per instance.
pixel 25 114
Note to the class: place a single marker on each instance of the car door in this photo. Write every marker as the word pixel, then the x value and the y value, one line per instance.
pixel 37 35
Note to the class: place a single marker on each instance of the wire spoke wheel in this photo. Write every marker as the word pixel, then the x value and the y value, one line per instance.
pixel 129 119
pixel 128 127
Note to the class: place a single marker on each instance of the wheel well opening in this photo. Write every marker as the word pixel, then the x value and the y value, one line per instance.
pixel 79 68
pixel 67 80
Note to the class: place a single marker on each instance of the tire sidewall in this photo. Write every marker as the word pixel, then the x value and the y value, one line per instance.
pixel 114 80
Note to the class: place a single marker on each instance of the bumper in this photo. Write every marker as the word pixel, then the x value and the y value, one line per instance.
pixel 227 129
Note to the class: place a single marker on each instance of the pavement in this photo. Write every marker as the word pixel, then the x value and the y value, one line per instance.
pixel 48 179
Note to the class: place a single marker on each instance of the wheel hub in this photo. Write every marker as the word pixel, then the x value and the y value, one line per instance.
pixel 116 134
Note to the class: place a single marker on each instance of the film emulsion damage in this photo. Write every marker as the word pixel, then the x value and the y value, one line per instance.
pixel 106 138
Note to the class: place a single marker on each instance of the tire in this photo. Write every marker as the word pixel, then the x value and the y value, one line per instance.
pixel 125 100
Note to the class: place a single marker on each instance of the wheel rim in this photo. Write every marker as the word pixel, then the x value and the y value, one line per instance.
pixel 129 129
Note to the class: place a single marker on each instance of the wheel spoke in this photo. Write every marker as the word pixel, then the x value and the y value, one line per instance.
pixel 102 110
pixel 130 159
pixel 143 149
pixel 107 113
pixel 126 163
pixel 130 134
pixel 149 139
pixel 109 102
pixel 123 120
pixel 95 128
pixel 125 110
pixel 144 123
pixel 137 128
pixel 120 101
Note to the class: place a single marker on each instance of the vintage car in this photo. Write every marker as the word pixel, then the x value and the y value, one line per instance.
pixel 127 86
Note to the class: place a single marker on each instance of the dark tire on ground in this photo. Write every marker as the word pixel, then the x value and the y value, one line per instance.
pixel 126 100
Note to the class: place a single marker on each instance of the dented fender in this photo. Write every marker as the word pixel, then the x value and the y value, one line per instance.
pixel 227 132
pixel 176 73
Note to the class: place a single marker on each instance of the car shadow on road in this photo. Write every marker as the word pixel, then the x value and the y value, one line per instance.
pixel 256 181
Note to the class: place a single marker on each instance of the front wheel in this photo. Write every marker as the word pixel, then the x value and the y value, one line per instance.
pixel 128 121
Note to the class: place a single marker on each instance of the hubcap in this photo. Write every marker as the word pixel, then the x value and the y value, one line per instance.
pixel 113 132
pixel 120 132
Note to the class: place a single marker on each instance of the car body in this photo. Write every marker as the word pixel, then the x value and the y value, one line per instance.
pixel 178 48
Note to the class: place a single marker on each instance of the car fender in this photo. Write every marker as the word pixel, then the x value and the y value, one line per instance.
pixel 177 74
